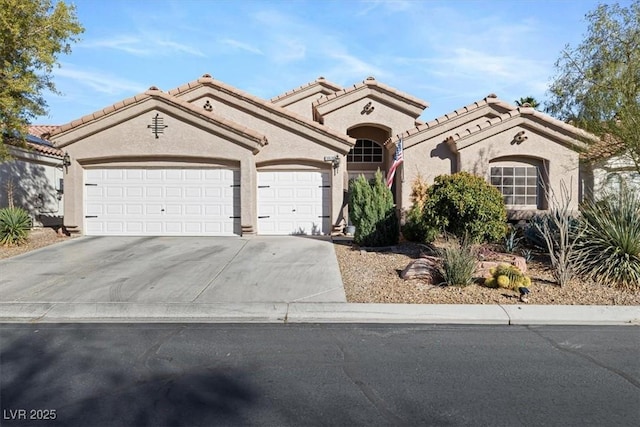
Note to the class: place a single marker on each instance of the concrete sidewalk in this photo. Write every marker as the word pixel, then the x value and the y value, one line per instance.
pixel 117 312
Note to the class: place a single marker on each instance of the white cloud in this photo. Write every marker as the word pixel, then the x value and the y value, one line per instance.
pixel 99 82
pixel 391 5
pixel 144 44
pixel 241 46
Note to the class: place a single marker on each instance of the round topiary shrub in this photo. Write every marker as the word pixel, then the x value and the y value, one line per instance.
pixel 466 206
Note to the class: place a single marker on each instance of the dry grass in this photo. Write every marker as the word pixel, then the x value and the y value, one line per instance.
pixel 373 277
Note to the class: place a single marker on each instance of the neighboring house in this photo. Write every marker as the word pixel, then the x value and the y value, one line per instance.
pixel 209 159
pixel 606 166
pixel 33 178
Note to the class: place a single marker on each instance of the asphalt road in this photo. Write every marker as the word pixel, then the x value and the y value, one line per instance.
pixel 300 375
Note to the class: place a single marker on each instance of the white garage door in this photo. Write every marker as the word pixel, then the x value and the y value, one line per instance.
pixel 294 202
pixel 162 202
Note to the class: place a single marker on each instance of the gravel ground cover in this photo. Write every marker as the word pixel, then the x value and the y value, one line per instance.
pixel 373 276
pixel 38 238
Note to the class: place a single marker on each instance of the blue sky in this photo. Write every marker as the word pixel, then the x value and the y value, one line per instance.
pixel 448 53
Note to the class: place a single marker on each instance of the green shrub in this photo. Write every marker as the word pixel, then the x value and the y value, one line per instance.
pixel 372 212
pixel 458 264
pixel 414 228
pixel 508 277
pixel 14 226
pixel 467 207
pixel 608 250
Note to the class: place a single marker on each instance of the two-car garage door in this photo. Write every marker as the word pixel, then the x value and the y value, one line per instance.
pixel 162 202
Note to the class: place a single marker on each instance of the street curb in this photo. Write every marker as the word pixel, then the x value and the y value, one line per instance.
pixel 282 312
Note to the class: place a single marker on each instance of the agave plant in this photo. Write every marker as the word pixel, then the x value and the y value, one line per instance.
pixel 609 249
pixel 14 226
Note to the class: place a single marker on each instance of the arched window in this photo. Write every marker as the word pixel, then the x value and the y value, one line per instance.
pixel 365 151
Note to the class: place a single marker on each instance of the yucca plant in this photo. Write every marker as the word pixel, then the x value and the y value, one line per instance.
pixel 458 264
pixel 14 226
pixel 609 249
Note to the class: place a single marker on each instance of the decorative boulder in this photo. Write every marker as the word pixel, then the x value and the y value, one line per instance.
pixel 425 268
pixel 483 267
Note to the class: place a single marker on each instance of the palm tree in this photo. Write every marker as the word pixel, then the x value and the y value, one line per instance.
pixel 530 100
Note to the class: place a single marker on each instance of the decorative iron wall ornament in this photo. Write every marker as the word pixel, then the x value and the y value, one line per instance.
pixel 368 108
pixel 157 125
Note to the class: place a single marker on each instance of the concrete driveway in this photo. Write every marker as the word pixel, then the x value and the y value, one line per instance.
pixel 175 269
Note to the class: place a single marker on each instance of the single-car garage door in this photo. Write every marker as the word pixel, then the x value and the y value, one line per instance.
pixel 294 202
pixel 162 202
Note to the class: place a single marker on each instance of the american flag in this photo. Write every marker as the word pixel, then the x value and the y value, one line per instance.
pixel 398 158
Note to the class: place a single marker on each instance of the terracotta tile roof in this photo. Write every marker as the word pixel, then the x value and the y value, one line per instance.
pixel 521 112
pixel 49 150
pixel 34 141
pixel 154 92
pixel 606 147
pixel 489 99
pixel 372 82
pixel 320 81
pixel 41 131
pixel 207 80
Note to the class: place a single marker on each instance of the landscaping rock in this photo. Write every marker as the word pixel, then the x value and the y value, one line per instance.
pixel 425 268
pixel 483 267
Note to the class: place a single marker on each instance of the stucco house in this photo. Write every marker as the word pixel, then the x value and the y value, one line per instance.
pixel 606 165
pixel 33 178
pixel 209 159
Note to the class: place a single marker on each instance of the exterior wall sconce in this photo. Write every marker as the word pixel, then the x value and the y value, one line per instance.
pixel 66 160
pixel 335 161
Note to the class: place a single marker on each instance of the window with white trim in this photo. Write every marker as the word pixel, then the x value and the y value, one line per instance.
pixel 518 184
pixel 365 151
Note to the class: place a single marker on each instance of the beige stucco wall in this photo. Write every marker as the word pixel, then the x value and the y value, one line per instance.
pixel 562 161
pixel 288 149
pixel 426 160
pixel 351 116
pixel 433 157
pixel 123 140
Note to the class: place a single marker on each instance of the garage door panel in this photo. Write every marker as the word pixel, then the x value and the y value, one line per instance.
pixel 173 192
pixel 134 209
pixel 162 201
pixel 293 202
pixel 135 226
pixel 153 192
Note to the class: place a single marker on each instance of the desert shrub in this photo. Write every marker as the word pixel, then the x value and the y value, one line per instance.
pixel 608 250
pixel 414 228
pixel 508 277
pixel 511 239
pixel 560 231
pixel 534 236
pixel 14 226
pixel 372 212
pixel 459 262
pixel 467 207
